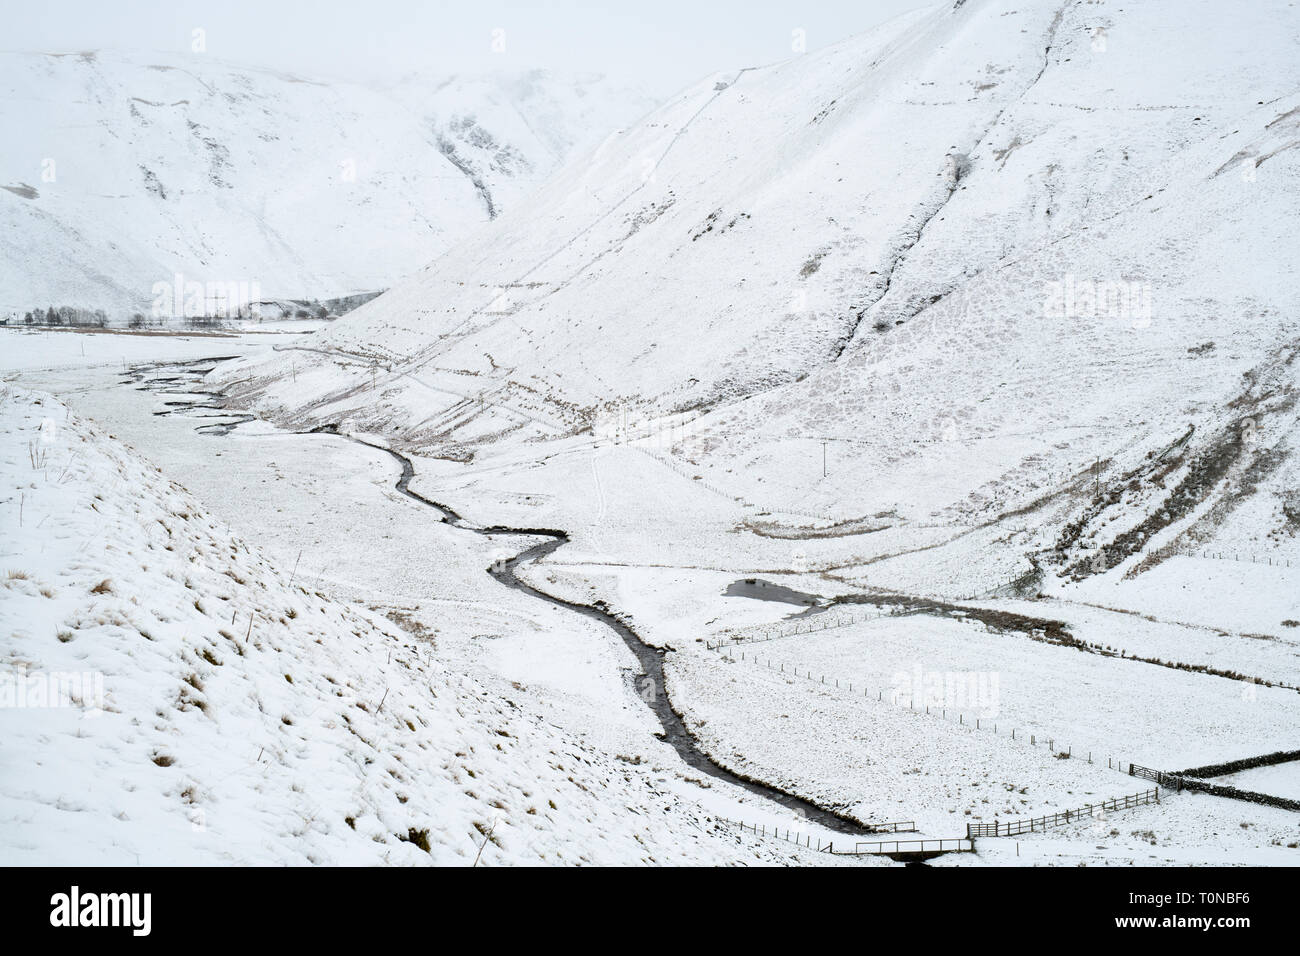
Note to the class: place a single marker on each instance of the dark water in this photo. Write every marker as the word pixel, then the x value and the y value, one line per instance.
pixel 762 590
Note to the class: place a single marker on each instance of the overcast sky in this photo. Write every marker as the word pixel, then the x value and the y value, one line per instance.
pixel 660 44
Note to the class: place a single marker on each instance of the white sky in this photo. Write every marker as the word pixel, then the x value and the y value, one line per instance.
pixel 663 45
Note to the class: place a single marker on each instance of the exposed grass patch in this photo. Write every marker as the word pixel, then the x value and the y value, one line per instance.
pixel 419 837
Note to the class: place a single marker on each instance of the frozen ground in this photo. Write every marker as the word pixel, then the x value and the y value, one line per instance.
pixel 326 513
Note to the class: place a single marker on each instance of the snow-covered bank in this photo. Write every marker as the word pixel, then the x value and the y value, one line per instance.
pixel 246 718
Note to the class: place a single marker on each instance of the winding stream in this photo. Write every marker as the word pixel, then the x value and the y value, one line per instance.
pixel 650 683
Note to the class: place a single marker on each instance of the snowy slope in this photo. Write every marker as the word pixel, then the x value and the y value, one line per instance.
pixel 121 170
pixel 167 696
pixel 506 132
pixel 895 247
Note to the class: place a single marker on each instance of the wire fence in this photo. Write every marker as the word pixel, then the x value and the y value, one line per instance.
pixel 825 621
pixel 894 696
pixel 1272 560
pixel 819 844
pixel 805 840
pixel 1094 811
pixel 672 464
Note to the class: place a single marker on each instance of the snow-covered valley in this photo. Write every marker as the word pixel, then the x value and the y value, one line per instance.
pixel 896 442
pixel 328 517
pixel 245 716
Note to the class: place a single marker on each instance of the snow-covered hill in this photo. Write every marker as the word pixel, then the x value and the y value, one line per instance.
pixel 993 259
pixel 120 171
